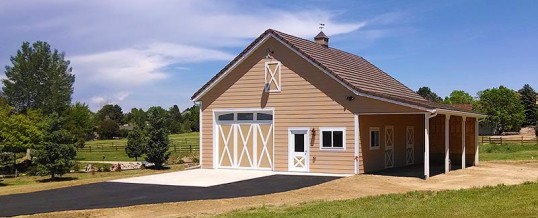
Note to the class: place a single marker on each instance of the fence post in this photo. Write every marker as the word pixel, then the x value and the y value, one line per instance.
pixel 90 149
pixel 174 146
pixel 521 140
pixel 190 148
pixel 501 140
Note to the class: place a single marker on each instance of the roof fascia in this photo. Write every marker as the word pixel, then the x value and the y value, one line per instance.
pixel 460 113
pixel 245 56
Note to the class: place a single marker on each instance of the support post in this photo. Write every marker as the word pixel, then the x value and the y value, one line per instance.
pixel 426 146
pixel 357 143
pixel 476 145
pixel 447 143
pixel 463 119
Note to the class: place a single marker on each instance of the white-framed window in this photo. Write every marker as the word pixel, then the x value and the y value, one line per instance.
pixel 245 117
pixel 332 138
pixel 272 76
pixel 375 141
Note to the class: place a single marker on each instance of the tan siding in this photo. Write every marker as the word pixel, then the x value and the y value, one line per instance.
pixel 308 98
pixel 374 159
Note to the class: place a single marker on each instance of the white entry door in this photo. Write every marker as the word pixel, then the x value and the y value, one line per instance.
pixel 298 141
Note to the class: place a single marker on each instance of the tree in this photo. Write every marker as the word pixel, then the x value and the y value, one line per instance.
pixel 56 156
pixel 112 112
pixel 39 78
pixel 136 141
pixel 191 118
pixel 174 125
pixel 158 143
pixel 427 93
pixel 137 118
pixel 459 97
pixel 503 107
pixel 80 122
pixel 528 99
pixel 108 129
pixel 19 132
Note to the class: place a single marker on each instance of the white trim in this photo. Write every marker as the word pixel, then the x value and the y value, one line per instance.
pixel 291 150
pixel 255 125
pixel 278 73
pixel 200 125
pixel 476 143
pixel 427 145
pixel 410 129
pixel 372 129
pixel 215 141
pixel 447 143
pixel 211 85
pixel 332 129
pixel 356 138
pixel 463 141
pixel 460 113
pixel 389 147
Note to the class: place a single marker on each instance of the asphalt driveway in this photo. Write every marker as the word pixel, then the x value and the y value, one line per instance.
pixel 114 194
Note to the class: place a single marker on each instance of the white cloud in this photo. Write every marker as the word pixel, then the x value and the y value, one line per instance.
pixel 127 46
pixel 132 67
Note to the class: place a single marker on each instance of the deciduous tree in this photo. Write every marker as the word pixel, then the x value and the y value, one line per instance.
pixel 39 78
pixel 80 122
pixel 459 97
pixel 57 154
pixel 108 129
pixel 503 107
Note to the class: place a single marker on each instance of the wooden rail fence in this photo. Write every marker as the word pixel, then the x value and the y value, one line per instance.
pixel 512 140
pixel 184 145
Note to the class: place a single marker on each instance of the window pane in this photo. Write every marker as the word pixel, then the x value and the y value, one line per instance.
pixel 338 139
pixel 374 138
pixel 299 142
pixel 264 116
pixel 327 139
pixel 225 117
pixel 245 116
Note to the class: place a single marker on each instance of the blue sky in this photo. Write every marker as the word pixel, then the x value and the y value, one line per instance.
pixel 144 53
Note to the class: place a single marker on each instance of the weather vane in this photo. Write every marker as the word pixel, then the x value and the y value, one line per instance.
pixel 321 25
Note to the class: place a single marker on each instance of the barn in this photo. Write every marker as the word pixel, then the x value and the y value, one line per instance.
pixel 288 104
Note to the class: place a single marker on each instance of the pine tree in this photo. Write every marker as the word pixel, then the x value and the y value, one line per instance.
pixel 136 143
pixel 528 99
pixel 158 145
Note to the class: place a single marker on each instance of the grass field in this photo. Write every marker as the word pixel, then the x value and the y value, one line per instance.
pixel 498 201
pixel 509 152
pixel 114 150
pixel 24 183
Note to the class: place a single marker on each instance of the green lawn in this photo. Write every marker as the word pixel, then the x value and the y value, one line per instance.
pixel 25 183
pixel 508 152
pixel 113 150
pixel 498 201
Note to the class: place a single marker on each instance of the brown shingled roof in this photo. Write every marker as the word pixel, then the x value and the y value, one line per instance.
pixel 350 69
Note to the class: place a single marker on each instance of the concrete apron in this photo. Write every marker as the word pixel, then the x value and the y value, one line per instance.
pixel 209 177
